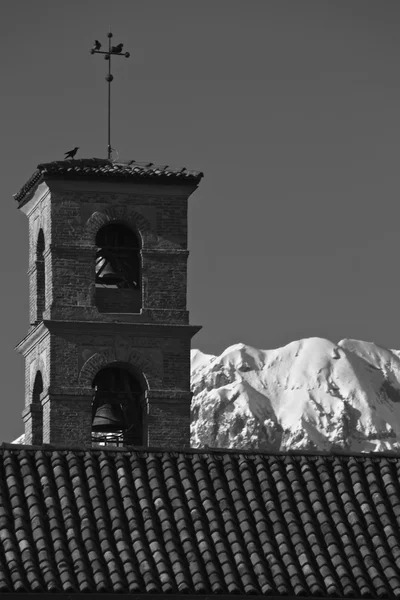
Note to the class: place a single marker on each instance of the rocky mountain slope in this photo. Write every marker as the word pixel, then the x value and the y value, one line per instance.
pixel 310 394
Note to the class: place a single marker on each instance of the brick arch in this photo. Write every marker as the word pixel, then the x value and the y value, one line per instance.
pixel 100 360
pixel 121 214
pixel 35 367
pixel 40 241
pixel 37 226
pixel 37 388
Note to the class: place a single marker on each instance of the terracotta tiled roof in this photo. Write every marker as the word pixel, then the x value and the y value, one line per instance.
pixel 199 522
pixel 106 169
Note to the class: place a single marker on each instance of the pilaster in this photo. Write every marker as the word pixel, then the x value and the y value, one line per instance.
pixel 67 419
pixel 168 418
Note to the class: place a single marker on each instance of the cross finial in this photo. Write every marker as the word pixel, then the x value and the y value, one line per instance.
pixel 112 51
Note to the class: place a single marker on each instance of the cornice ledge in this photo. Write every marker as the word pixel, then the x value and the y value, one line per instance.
pixel 163 251
pixel 34 337
pixel 148 329
pixel 174 395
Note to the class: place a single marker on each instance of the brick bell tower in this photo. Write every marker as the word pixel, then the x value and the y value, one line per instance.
pixel 107 356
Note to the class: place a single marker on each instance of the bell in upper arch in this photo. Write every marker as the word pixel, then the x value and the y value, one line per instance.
pixel 106 273
pixel 108 418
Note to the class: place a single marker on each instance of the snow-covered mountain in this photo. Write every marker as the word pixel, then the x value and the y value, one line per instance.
pixel 310 394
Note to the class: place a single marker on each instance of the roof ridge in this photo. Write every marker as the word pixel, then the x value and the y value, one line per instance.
pixel 214 451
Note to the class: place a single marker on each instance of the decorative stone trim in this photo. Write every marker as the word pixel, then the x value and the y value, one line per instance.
pixel 35 336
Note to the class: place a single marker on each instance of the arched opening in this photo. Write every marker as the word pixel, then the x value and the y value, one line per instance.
pixel 35 432
pixel 117 257
pixel 117 414
pixel 40 278
pixel 37 388
pixel 118 270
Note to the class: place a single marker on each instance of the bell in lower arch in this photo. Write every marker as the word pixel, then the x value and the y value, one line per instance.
pixel 106 274
pixel 108 418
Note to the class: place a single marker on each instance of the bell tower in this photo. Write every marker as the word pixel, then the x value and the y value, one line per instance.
pixel 107 355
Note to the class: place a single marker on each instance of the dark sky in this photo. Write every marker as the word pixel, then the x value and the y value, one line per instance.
pixel 291 109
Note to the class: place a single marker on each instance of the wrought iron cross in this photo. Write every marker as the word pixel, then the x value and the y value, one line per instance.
pixel 112 51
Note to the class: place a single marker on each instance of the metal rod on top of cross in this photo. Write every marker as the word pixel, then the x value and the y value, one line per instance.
pixel 112 51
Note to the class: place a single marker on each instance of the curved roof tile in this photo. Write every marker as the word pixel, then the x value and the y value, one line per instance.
pixel 199 522
pixel 106 169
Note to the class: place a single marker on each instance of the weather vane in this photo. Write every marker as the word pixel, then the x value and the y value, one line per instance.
pixel 112 51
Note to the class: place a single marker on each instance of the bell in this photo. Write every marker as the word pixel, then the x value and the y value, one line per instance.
pixel 106 274
pixel 109 418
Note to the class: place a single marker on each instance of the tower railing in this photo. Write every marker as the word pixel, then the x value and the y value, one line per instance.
pixel 108 439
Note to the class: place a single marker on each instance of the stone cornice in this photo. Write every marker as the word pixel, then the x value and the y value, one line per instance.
pixel 68 248
pixel 164 251
pixel 112 327
pixel 34 337
pixel 36 195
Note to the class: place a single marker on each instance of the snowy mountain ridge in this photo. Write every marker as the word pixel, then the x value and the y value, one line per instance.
pixel 311 394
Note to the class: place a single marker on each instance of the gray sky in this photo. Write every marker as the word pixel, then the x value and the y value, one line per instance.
pixel 291 109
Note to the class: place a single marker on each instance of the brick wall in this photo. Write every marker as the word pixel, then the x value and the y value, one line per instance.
pixel 70 220
pixel 165 275
pixel 113 300
pixel 161 362
pixel 33 421
pixel 70 215
pixel 169 419
pixel 67 419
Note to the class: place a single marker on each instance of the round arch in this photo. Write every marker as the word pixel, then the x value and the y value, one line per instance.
pixel 36 366
pixel 118 260
pixel 40 244
pixel 37 388
pixel 40 276
pixel 121 215
pixel 119 406
pixel 138 364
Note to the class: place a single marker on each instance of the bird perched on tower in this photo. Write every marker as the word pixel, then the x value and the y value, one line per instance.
pixel 71 153
pixel 97 45
pixel 117 49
